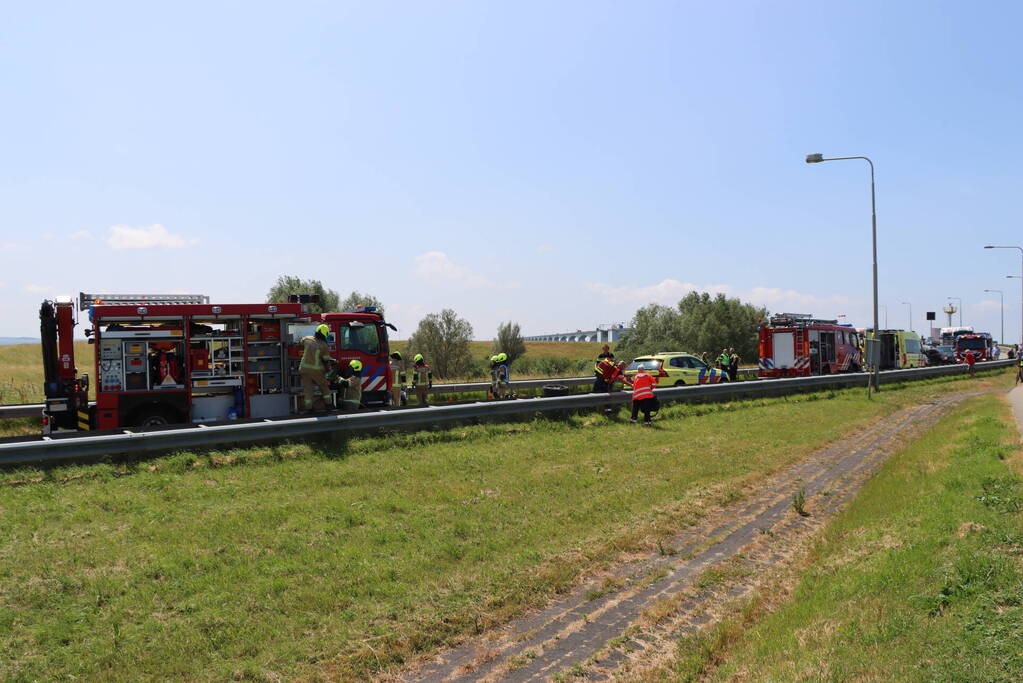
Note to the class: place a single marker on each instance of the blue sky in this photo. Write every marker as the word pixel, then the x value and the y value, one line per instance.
pixel 558 164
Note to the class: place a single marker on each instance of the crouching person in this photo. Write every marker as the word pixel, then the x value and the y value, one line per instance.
pixel 351 385
pixel 643 397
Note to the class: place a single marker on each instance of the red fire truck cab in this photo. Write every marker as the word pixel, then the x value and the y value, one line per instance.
pixel 980 343
pixel 798 345
pixel 163 360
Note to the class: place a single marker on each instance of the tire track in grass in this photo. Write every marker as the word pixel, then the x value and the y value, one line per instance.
pixel 657 598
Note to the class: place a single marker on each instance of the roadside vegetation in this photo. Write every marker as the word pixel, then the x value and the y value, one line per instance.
pixel 921 578
pixel 344 561
pixel 21 371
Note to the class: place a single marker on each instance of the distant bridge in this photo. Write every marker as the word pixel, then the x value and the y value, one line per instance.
pixel 604 333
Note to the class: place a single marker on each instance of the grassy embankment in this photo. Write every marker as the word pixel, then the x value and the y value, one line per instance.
pixel 301 561
pixel 921 578
pixel 21 371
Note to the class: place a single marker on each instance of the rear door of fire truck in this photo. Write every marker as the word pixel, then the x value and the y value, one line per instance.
pixel 784 350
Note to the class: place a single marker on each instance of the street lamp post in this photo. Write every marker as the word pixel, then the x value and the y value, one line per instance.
pixel 818 158
pixel 885 307
pixel 906 303
pixel 956 298
pixel 1001 311
pixel 991 246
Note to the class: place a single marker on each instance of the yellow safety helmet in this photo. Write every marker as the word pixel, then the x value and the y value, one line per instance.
pixel 493 359
pixel 323 329
pixel 502 357
pixel 418 357
pixel 355 365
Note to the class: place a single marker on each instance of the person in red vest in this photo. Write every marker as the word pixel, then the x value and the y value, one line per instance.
pixel 643 398
pixel 970 363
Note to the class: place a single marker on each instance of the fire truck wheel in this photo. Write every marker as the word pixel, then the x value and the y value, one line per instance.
pixel 152 417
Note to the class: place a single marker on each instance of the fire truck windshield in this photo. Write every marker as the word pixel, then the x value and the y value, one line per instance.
pixel 971 343
pixel 362 338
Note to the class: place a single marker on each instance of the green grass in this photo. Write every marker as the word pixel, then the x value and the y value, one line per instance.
pixel 921 578
pixel 306 561
pixel 21 371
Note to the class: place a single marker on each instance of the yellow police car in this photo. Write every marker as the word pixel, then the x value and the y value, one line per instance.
pixel 675 369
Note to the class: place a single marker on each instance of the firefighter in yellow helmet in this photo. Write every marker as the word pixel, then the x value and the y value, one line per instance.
pixel 499 375
pixel 313 370
pixel 422 378
pixel 397 369
pixel 351 382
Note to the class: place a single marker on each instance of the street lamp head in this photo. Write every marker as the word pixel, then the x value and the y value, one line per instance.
pixel 989 247
pixel 814 158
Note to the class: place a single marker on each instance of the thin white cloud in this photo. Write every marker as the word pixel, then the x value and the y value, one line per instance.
pixel 545 248
pixel 437 266
pixel 82 236
pixel 38 289
pixel 153 237
pixel 12 246
pixel 667 292
pixel 988 305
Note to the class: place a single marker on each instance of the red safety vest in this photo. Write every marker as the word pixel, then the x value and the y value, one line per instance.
pixel 642 386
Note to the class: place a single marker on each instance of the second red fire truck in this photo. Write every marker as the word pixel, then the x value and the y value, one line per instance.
pixel 799 345
pixel 161 360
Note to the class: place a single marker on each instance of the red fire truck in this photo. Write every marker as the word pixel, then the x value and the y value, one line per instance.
pixel 163 360
pixel 799 345
pixel 978 342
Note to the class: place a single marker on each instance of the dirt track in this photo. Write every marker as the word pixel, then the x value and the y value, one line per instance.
pixel 625 620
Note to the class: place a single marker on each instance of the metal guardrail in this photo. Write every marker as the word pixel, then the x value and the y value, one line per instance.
pixel 128 442
pixel 36 409
pixel 21 410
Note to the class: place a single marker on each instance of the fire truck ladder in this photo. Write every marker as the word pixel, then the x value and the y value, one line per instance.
pixel 798 320
pixel 85 300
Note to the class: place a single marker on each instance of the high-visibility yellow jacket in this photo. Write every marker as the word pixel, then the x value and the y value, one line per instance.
pixel 314 355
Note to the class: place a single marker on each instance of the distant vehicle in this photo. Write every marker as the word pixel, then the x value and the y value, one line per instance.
pixel 949 334
pixel 900 349
pixel 934 356
pixel 676 369
pixel 799 345
pixel 980 343
pixel 948 353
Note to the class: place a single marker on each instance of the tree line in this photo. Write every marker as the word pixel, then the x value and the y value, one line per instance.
pixel 698 323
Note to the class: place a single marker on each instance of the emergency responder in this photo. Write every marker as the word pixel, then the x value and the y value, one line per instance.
pixel 351 384
pixel 733 365
pixel 313 369
pixel 971 363
pixel 643 396
pixel 1019 371
pixel 397 379
pixel 422 378
pixel 723 360
pixel 603 373
pixel 499 375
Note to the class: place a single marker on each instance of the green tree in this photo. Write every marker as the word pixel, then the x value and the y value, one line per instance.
pixel 357 298
pixel 288 284
pixel 444 339
pixel 509 340
pixel 698 323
